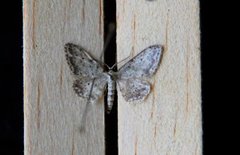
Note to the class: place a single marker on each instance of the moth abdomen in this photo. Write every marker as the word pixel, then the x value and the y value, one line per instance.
pixel 110 93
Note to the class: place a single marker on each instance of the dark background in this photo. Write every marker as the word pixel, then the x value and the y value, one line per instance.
pixel 11 78
pixel 214 60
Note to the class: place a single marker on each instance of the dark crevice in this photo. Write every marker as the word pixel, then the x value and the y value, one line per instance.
pixel 111 128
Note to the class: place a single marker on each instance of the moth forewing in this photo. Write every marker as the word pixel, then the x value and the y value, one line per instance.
pixel 143 65
pixel 81 63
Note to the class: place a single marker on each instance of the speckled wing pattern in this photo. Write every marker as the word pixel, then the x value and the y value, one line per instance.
pixel 81 63
pixel 134 89
pixel 85 69
pixel 82 87
pixel 131 75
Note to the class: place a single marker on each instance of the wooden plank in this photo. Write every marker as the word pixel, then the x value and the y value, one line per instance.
pixel 52 110
pixel 169 120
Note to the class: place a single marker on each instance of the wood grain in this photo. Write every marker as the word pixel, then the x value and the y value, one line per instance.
pixel 52 110
pixel 169 120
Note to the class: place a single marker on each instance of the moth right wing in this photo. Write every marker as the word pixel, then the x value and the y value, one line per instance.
pixel 145 64
pixel 82 87
pixel 81 63
pixel 134 89
pixel 130 76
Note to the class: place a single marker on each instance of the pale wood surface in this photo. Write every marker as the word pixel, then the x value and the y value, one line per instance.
pixel 168 122
pixel 52 110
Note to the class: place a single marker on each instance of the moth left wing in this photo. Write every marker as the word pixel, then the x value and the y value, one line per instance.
pixel 134 89
pixel 144 64
pixel 81 63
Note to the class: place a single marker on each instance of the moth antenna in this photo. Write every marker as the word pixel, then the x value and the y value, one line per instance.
pixel 120 62
pixel 106 66
pixel 84 116
pixel 111 28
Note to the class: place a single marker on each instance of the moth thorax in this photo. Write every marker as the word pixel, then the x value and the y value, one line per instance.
pixel 110 93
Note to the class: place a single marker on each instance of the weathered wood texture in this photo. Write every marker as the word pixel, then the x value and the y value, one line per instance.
pixel 52 110
pixel 169 120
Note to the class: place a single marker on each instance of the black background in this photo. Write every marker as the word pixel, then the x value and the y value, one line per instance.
pixel 215 50
pixel 11 79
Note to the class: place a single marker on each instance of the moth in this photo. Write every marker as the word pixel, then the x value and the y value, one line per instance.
pixel 91 80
